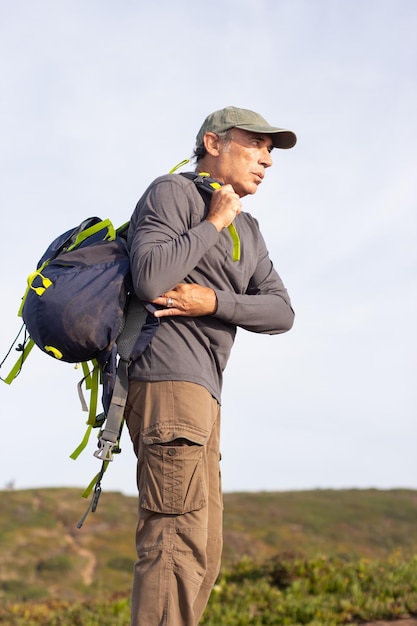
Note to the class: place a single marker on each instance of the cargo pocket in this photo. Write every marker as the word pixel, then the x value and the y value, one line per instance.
pixel 173 477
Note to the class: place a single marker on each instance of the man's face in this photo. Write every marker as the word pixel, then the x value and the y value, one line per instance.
pixel 242 162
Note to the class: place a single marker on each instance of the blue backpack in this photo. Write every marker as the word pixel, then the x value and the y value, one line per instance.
pixel 79 307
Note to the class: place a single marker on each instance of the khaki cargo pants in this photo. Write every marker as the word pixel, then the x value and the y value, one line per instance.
pixel 175 430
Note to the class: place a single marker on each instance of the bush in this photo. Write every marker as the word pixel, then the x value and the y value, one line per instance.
pixel 54 565
pixel 121 563
pixel 283 591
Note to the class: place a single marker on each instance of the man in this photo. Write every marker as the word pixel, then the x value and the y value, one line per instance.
pixel 181 247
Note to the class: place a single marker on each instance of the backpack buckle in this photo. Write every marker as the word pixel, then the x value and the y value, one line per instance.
pixel 105 451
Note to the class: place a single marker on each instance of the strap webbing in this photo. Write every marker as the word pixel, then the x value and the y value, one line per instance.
pixel 92 381
pixel 110 432
pixel 97 491
pixel 110 435
pixel 135 319
pixel 81 446
pixel 85 234
pixel 18 365
pixel 236 242
pixel 214 184
pixel 177 167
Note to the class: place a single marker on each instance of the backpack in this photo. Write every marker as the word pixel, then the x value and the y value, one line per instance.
pixel 80 307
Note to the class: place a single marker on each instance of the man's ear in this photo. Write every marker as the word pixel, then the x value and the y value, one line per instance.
pixel 212 143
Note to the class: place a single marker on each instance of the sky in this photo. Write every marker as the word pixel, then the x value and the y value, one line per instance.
pixel 100 97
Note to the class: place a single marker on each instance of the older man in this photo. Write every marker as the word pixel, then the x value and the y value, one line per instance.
pixel 202 260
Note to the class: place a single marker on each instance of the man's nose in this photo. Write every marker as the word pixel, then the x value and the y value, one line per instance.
pixel 266 159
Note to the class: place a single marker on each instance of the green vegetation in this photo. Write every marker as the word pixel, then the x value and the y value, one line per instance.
pixel 283 590
pixel 319 591
pixel 319 558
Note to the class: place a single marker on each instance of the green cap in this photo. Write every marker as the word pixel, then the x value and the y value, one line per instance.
pixel 232 117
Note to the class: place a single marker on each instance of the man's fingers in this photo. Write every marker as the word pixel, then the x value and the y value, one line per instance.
pixel 224 206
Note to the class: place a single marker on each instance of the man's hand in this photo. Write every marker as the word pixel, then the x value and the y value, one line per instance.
pixel 189 300
pixel 225 204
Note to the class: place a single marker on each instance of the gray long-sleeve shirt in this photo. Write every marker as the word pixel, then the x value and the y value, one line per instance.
pixel 170 242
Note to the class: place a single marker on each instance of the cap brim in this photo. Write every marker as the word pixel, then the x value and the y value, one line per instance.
pixel 281 138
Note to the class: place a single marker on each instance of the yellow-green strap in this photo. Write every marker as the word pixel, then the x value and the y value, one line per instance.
pixel 122 228
pixel 82 445
pixel 82 236
pixel 85 234
pixel 231 228
pixel 46 282
pixel 95 381
pixel 236 242
pixel 87 374
pixel 57 354
pixel 18 365
pixel 89 487
pixel 30 280
pixel 96 482
pixel 177 167
pixel 93 378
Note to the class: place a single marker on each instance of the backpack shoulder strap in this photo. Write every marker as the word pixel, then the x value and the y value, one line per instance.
pixel 108 443
pixel 134 321
pixel 206 185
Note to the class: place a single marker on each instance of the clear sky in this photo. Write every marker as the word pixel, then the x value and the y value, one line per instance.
pixel 100 97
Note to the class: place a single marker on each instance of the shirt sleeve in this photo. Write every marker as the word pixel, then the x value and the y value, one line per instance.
pixel 168 237
pixel 265 307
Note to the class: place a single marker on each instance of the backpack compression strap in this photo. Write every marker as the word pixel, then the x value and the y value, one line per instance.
pixel 25 349
pixel 109 438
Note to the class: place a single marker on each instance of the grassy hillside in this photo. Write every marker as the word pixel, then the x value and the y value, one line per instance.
pixel 354 523
pixel 45 557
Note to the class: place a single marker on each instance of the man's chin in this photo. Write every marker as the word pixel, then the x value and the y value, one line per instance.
pixel 248 190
